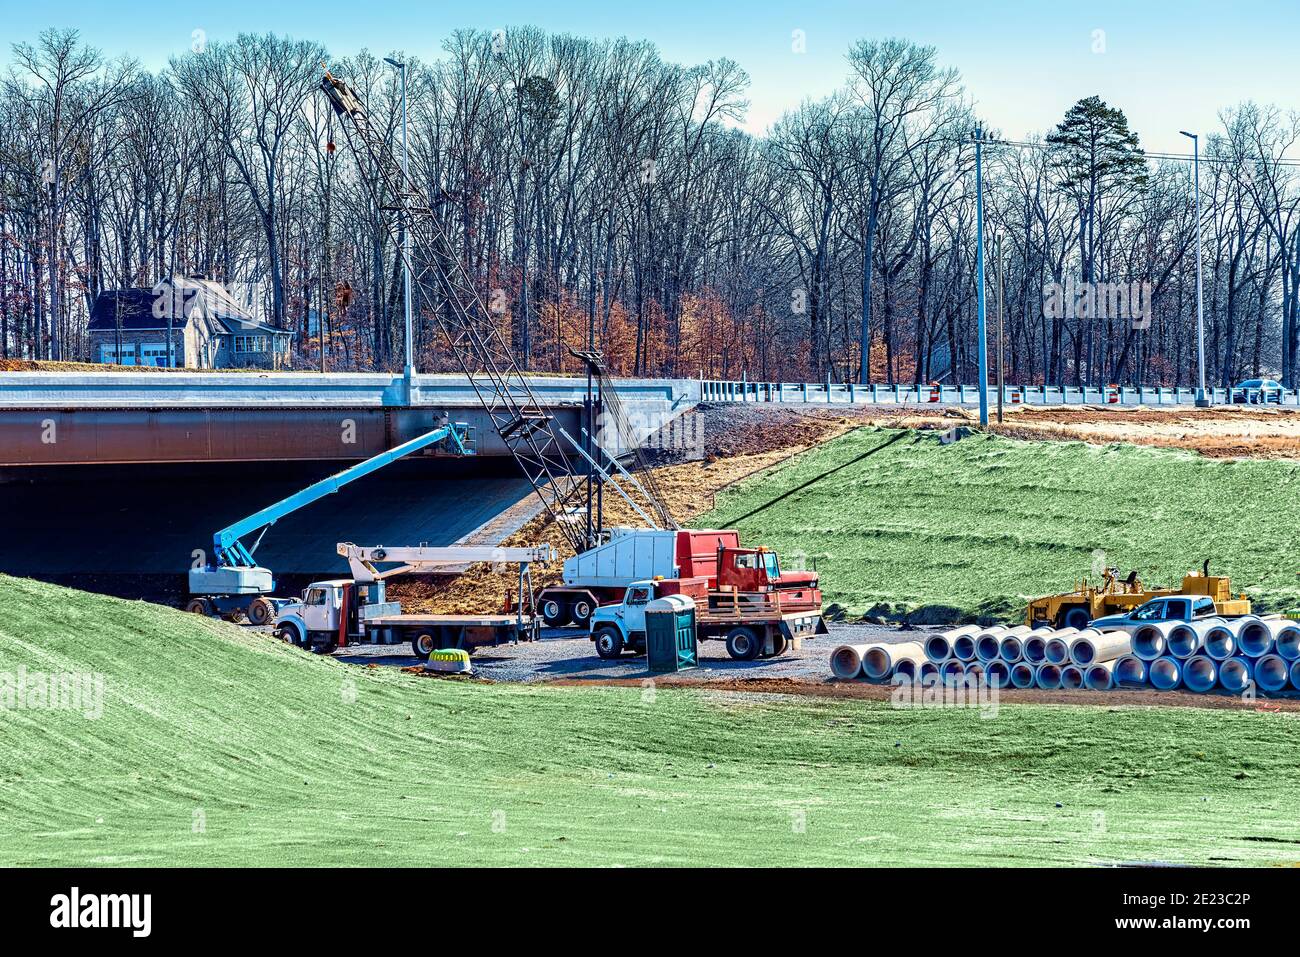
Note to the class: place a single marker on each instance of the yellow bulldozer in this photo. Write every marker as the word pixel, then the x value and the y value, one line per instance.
pixel 1116 595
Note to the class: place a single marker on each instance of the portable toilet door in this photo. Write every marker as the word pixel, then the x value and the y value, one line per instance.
pixel 671 642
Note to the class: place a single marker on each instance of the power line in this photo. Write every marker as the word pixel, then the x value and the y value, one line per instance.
pixel 1178 157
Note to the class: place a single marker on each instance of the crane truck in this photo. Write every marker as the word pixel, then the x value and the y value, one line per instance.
pixel 338 612
pixel 233 584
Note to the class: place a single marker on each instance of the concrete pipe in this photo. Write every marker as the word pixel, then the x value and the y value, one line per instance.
pixel 1219 642
pixel 1295 675
pixel 1091 647
pixel 1236 674
pixel 1099 677
pixel 1188 637
pixel 989 641
pixel 1165 673
pixel 1271 673
pixel 1129 672
pixel 1057 651
pixel 846 661
pixel 1012 648
pixel 1071 677
pixel 963 647
pixel 997 673
pixel 879 661
pixel 1288 641
pixel 906 668
pixel 1258 637
pixel 1149 641
pixel 1200 673
pixel 951 671
pixel 1023 674
pixel 1048 676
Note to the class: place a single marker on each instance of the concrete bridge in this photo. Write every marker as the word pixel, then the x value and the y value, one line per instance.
pixel 101 418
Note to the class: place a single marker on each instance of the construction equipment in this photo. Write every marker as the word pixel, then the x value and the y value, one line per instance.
pixel 1115 595
pixel 472 333
pixel 232 583
pixel 339 612
pixel 600 575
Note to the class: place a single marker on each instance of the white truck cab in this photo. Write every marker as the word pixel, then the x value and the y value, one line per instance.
pixel 317 616
pixel 615 628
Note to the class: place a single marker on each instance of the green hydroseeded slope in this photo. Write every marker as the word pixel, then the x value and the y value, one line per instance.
pixel 982 525
pixel 219 746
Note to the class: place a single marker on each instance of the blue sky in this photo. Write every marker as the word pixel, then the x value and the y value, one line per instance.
pixel 1168 65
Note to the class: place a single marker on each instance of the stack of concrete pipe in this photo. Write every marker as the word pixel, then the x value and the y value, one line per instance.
pixel 1197 656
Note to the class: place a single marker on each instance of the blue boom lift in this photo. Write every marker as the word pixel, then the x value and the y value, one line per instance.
pixel 234 583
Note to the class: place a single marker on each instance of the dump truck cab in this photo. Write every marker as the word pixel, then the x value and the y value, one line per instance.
pixel 758 570
pixel 320 617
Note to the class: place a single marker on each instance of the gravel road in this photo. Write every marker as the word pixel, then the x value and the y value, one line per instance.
pixel 568 654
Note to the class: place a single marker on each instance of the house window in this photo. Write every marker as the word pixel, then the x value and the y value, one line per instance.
pixel 250 343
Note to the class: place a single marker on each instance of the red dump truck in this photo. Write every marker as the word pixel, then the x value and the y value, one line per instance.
pixel 601 575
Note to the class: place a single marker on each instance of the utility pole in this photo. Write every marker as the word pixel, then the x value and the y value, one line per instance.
pixel 997 253
pixel 979 269
pixel 1202 397
pixel 409 370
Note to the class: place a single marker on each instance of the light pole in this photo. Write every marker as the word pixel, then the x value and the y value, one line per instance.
pixel 979 292
pixel 409 371
pixel 1202 398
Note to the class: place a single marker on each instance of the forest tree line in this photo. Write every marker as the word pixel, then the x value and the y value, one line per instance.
pixel 594 184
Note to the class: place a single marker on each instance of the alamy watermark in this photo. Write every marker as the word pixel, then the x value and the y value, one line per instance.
pixel 81 691
pixel 1072 299
pixel 932 691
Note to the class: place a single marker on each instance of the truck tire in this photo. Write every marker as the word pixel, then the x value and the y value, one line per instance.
pixel 742 644
pixel 1076 617
pixel 199 606
pixel 609 643
pixel 580 611
pixel 554 612
pixel 423 645
pixel 260 611
pixel 779 644
pixel 289 635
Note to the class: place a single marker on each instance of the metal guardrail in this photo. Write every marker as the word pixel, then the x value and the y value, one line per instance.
pixel 821 393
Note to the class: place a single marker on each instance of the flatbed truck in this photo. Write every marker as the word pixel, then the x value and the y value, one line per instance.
pixel 339 612
pixel 752 626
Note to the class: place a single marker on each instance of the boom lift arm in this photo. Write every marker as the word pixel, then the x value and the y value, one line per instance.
pixel 229 550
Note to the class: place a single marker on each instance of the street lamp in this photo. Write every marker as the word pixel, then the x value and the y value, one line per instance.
pixel 409 371
pixel 982 344
pixel 1202 398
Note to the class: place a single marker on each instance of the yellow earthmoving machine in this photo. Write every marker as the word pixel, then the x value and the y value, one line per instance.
pixel 1116 595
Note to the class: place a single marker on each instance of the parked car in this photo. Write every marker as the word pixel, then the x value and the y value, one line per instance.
pixel 1257 391
pixel 1175 608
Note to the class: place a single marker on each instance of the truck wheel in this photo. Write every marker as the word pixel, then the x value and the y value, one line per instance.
pixel 260 611
pixel 1076 618
pixel 609 643
pixel 289 635
pixel 742 644
pixel 423 645
pixel 555 613
pixel 580 612
pixel 199 606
